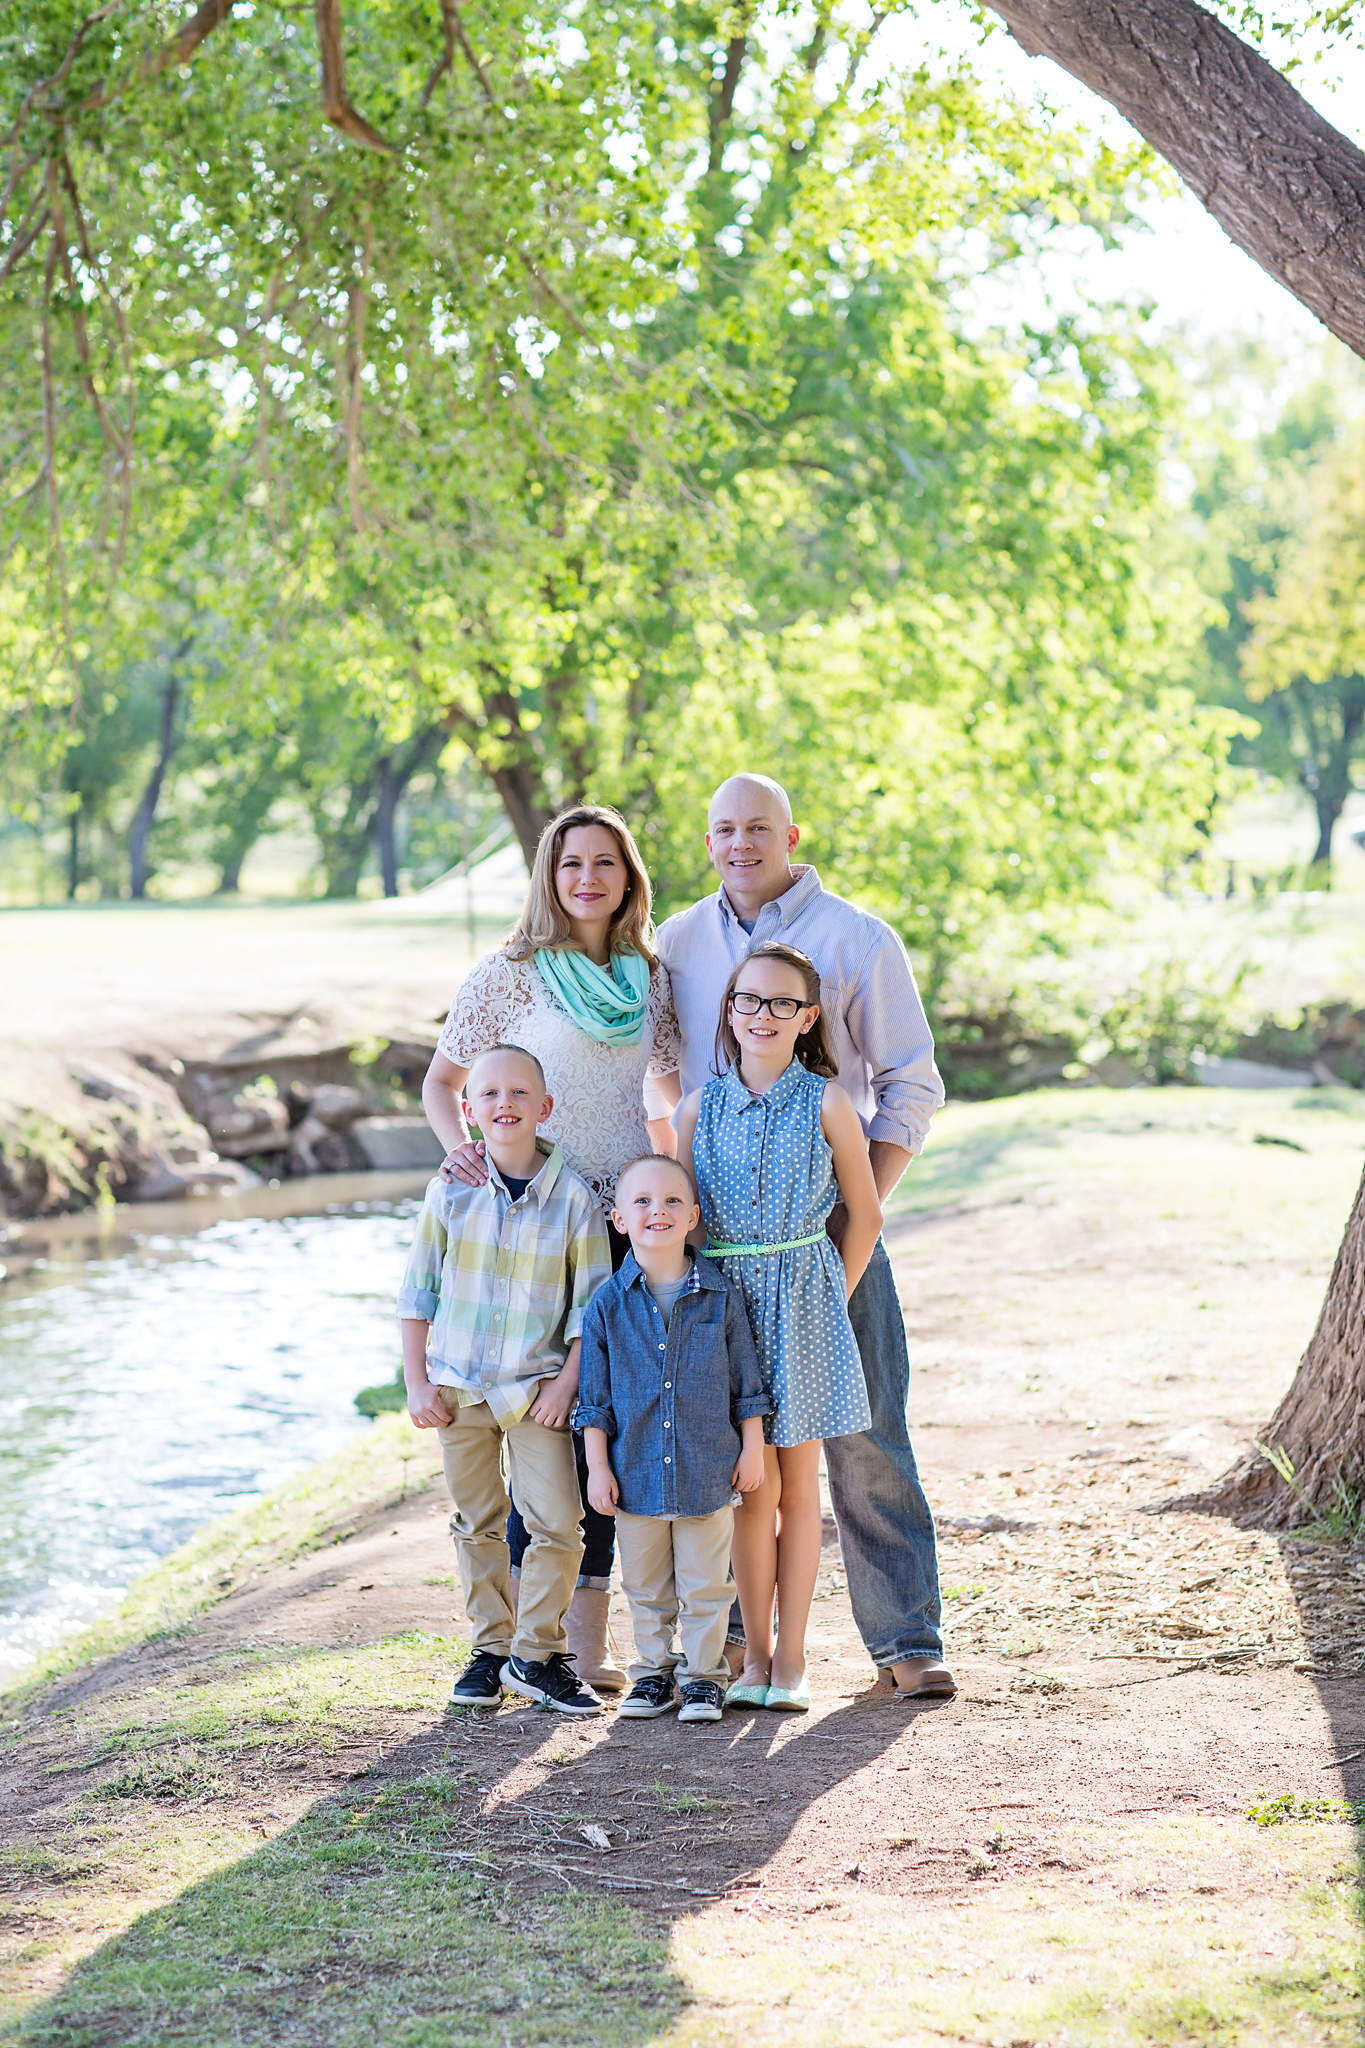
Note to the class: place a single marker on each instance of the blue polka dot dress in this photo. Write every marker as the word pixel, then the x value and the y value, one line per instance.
pixel 765 1175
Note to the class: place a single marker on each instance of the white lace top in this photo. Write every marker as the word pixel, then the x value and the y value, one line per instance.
pixel 598 1120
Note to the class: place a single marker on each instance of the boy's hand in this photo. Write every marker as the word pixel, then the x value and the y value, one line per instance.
pixel 425 1406
pixel 603 1492
pixel 554 1403
pixel 749 1470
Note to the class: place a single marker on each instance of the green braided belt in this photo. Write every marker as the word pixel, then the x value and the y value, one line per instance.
pixel 732 1251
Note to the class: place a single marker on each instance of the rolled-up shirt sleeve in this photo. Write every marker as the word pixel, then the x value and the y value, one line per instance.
pixel 886 1022
pixel 593 1409
pixel 419 1297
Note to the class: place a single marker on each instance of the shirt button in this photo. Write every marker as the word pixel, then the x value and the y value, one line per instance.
pixel 668 1425
pixel 668 1461
pixel 668 1383
pixel 663 1347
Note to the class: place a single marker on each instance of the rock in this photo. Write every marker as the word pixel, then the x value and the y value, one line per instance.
pixel 338 1106
pixel 398 1143
pixel 168 1179
pixel 314 1148
pixel 103 1086
pixel 239 1127
pixel 1219 1073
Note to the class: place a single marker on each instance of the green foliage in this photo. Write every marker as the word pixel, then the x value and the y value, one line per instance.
pixel 620 422
pixel 1277 542
pixel 1273 1812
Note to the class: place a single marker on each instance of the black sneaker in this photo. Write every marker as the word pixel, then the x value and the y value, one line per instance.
pixel 648 1697
pixel 702 1700
pixel 480 1683
pixel 554 1684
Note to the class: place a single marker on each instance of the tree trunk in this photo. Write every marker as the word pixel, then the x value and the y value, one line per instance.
pixel 145 816
pixel 1285 185
pixel 516 777
pixel 1328 810
pixel 1320 1424
pixel 396 771
pixel 73 855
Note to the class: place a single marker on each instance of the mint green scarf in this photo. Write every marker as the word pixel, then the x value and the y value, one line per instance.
pixel 609 1007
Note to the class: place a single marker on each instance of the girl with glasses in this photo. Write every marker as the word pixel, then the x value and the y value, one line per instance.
pixel 774 1142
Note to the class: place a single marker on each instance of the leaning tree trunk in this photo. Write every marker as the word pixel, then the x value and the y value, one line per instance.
pixel 1320 1424
pixel 140 832
pixel 1284 184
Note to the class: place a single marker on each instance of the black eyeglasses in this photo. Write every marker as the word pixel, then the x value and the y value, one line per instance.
pixel 748 1004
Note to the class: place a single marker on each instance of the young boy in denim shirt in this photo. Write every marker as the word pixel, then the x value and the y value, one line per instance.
pixel 496 1285
pixel 671 1405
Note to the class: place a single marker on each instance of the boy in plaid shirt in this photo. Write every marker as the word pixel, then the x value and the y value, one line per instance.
pixel 492 1306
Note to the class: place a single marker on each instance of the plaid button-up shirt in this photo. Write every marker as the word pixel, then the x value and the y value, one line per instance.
pixel 504 1284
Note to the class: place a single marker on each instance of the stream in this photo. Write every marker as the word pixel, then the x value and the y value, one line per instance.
pixel 164 1364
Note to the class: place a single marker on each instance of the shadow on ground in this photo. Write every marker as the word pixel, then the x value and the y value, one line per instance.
pixel 451 1894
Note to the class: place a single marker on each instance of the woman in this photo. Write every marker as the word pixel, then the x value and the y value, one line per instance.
pixel 577 984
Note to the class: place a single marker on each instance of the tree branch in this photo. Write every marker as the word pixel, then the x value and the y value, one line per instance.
pixel 54 503
pixel 1282 182
pixel 723 100
pixel 336 106
pixel 187 39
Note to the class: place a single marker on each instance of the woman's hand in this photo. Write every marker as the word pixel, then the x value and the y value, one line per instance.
pixel 465 1162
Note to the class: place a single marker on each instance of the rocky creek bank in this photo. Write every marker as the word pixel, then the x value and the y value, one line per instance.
pixel 211 1107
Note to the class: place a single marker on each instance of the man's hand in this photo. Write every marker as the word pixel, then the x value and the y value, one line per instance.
pixel 749 1470
pixel 553 1405
pixel 465 1162
pixel 603 1492
pixel 425 1406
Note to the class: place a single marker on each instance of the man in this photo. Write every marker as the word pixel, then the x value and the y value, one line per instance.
pixel 885 1050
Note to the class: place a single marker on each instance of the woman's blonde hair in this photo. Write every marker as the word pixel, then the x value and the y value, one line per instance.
pixel 543 922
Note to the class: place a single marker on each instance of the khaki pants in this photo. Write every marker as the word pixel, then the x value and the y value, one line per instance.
pixel 546 1482
pixel 678 1573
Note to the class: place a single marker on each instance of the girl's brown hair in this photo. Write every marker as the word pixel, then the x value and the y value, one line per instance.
pixel 812 1047
pixel 544 922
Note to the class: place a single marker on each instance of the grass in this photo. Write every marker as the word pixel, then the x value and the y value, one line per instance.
pixel 360 1921
pixel 978 1150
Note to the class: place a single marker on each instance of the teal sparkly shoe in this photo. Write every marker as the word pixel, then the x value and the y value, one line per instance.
pixel 789 1699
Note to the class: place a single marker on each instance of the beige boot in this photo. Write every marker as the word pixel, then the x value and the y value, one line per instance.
pixel 589 1634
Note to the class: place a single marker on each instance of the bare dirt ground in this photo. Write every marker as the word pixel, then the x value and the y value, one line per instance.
pixel 1102 1304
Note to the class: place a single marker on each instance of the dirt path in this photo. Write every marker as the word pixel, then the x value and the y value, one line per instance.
pixel 1061 1854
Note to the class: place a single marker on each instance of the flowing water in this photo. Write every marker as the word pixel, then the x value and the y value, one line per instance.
pixel 162 1365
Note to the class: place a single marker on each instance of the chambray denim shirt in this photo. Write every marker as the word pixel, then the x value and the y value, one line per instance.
pixel 671 1401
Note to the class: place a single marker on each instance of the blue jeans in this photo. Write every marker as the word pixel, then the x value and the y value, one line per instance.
pixel 886 1531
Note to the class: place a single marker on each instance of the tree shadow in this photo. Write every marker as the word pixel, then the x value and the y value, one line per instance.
pixel 452 1893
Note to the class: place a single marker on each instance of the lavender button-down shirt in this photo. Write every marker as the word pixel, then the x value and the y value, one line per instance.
pixel 877 1026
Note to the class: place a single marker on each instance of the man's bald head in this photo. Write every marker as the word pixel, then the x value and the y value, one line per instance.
pixel 741 793
pixel 751 839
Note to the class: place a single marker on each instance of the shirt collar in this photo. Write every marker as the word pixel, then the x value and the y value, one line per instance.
pixel 701 1274
pixel 776 1095
pixel 541 1181
pixel 789 904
